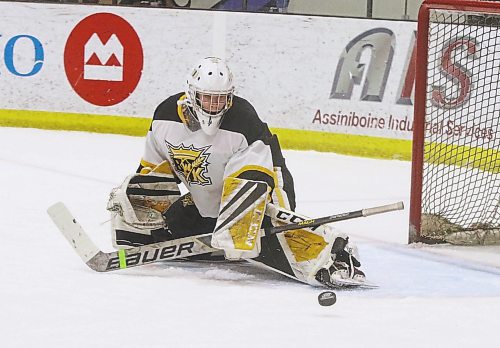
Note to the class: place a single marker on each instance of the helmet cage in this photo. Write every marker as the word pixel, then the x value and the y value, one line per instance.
pixel 207 107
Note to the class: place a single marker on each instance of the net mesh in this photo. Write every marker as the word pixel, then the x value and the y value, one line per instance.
pixel 461 171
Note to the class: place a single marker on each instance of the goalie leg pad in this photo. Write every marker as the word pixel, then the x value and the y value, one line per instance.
pixel 310 250
pixel 141 199
pixel 242 209
pixel 182 220
pixel 137 208
pixel 125 236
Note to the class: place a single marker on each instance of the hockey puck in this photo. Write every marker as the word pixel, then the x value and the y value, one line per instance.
pixel 327 298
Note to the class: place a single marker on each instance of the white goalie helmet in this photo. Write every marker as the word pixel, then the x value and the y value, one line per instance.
pixel 209 93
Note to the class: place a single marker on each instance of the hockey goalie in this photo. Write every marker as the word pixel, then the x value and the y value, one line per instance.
pixel 213 142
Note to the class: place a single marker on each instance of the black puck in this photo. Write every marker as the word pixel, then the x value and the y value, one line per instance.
pixel 327 298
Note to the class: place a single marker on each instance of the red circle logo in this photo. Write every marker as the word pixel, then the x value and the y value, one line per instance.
pixel 103 59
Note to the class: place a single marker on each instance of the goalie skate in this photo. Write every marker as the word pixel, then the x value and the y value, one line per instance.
pixel 336 282
pixel 342 270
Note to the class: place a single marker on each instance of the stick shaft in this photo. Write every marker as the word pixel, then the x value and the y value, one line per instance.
pixel 335 218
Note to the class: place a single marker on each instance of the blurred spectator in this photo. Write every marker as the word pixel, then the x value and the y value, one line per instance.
pixel 153 3
pixel 229 5
pixel 252 5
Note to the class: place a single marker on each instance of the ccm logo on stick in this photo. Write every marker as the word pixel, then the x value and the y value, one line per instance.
pixel 165 253
pixel 294 219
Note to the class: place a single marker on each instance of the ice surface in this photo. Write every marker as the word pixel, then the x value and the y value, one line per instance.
pixel 428 297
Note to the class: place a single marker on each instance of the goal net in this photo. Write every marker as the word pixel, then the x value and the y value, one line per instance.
pixel 455 195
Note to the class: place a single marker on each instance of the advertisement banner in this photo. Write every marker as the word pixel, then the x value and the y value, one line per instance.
pixel 326 74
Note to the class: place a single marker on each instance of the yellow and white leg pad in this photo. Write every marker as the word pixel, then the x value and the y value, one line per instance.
pixel 242 209
pixel 307 249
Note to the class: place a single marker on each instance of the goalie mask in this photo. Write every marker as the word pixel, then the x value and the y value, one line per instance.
pixel 209 94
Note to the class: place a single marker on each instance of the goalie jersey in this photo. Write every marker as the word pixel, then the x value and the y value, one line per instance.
pixel 243 147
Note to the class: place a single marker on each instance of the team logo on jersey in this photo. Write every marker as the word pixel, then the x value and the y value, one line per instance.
pixel 191 163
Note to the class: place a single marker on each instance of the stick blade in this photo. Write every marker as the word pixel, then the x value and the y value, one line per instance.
pixel 72 231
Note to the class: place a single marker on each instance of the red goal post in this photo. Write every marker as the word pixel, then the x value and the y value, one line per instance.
pixel 455 186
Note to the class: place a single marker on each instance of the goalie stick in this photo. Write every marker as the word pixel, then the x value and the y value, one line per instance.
pixel 101 261
pixel 334 218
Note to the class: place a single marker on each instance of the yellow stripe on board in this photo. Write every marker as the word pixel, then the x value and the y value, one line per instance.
pixel 136 126
pixel 463 156
pixel 345 144
pixel 353 145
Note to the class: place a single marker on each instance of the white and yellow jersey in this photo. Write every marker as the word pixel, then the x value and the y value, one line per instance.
pixel 243 147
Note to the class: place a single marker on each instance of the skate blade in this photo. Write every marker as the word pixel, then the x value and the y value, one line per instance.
pixel 350 284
